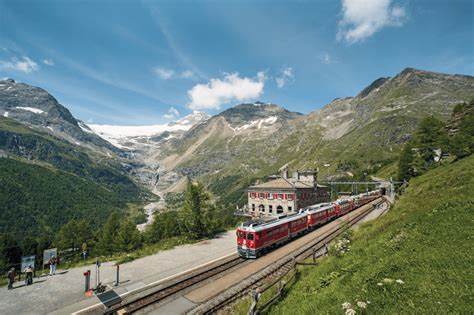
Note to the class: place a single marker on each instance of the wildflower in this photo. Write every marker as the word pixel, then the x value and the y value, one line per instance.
pixel 350 311
pixel 379 283
pixel 346 305
pixel 399 281
pixel 387 280
pixel 361 304
pixel 368 302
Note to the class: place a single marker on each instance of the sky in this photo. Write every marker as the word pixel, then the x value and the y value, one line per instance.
pixel 150 62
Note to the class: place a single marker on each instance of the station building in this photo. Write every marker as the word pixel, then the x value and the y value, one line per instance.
pixel 285 195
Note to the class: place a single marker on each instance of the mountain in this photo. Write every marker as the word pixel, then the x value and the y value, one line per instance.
pixel 54 169
pixel 225 140
pixel 347 137
pixel 37 108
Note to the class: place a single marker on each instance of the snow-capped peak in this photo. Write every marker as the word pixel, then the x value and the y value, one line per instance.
pixel 114 134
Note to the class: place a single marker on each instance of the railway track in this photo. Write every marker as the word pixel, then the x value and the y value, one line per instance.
pixel 151 296
pixel 172 288
pixel 280 267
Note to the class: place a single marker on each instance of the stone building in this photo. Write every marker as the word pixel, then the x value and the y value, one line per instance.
pixel 285 194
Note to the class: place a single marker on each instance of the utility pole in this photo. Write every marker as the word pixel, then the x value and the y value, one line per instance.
pixel 366 184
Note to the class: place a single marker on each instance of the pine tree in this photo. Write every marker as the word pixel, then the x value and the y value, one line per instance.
pixel 106 243
pixel 73 234
pixel 405 169
pixel 195 210
pixel 128 237
pixel 165 225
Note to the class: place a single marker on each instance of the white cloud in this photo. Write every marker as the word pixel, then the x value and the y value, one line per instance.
pixel 164 73
pixel 172 113
pixel 326 58
pixel 167 74
pixel 363 18
pixel 221 91
pixel 285 77
pixel 24 64
pixel 48 62
pixel 187 74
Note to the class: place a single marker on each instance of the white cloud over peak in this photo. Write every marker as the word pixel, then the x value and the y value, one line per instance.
pixel 24 64
pixel 172 113
pixel 164 73
pixel 48 62
pixel 363 18
pixel 231 87
pixel 285 77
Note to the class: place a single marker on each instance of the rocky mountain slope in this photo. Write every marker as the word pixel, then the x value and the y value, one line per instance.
pixel 37 108
pixel 355 134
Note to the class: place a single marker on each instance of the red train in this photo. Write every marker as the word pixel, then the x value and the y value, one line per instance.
pixel 257 237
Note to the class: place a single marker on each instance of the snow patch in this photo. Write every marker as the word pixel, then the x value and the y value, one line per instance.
pixel 257 123
pixel 50 128
pixel 5 114
pixel 32 109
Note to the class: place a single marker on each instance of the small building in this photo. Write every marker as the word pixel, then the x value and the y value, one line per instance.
pixel 284 195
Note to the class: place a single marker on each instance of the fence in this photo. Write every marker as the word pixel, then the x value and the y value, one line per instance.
pixel 278 285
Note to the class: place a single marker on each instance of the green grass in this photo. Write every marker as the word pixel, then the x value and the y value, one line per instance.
pixel 424 241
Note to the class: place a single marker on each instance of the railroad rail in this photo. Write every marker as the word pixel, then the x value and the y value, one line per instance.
pixel 281 266
pixel 155 295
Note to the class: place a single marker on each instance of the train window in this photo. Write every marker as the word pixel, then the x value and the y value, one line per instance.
pixel 250 237
pixel 240 234
pixel 269 233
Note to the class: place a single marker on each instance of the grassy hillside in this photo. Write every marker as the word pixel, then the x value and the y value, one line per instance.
pixel 415 259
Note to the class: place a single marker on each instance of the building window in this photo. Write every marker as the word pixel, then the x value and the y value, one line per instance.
pixel 253 207
pixel 270 196
pixel 279 209
pixel 270 209
pixel 261 208
pixel 290 196
pixel 289 209
pixel 280 196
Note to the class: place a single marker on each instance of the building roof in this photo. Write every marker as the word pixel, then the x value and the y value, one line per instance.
pixel 281 183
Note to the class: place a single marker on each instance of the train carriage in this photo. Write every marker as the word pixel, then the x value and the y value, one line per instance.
pixel 257 237
pixel 319 215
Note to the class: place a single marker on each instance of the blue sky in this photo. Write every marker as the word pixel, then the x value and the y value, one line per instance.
pixel 148 62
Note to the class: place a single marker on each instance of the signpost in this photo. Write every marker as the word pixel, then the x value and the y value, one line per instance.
pixel 27 261
pixel 48 253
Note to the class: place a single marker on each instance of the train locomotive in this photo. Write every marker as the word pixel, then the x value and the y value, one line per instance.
pixel 257 237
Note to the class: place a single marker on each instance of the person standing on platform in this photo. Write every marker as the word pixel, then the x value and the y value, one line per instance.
pixel 11 277
pixel 29 275
pixel 53 261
